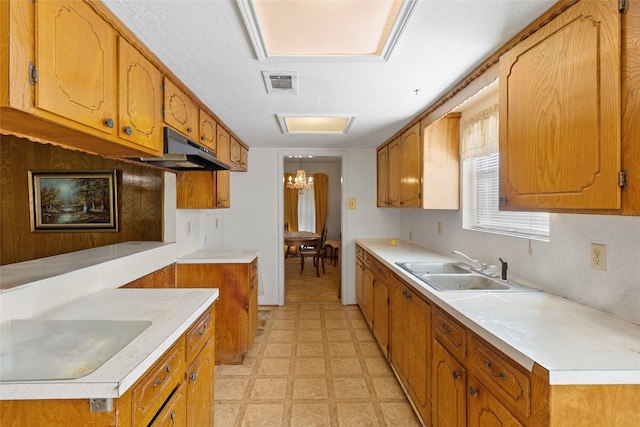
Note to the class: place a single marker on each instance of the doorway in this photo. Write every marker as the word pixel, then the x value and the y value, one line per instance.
pixel 301 282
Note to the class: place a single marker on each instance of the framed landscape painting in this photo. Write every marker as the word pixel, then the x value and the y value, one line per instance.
pixel 73 201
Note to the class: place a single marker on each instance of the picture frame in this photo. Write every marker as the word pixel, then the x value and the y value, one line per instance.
pixel 73 200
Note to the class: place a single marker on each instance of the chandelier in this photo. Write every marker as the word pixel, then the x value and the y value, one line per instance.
pixel 300 182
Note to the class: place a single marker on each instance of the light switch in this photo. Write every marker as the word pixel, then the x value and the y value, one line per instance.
pixel 352 203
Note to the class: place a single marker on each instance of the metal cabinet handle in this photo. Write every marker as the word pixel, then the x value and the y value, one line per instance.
pixel 490 371
pixel 456 375
pixel 159 381
pixel 444 328
pixel 203 330
pixel 193 376
pixel 127 130
pixel 109 123
pixel 473 391
pixel 173 417
pixel 189 129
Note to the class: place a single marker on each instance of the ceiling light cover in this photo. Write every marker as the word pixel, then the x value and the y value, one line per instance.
pixel 339 29
pixel 336 125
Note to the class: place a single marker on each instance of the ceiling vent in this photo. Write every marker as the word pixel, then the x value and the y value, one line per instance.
pixel 283 82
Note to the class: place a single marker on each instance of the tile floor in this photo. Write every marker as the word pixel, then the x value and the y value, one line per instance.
pixel 311 365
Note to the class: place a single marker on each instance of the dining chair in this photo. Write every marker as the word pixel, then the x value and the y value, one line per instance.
pixel 334 250
pixel 316 253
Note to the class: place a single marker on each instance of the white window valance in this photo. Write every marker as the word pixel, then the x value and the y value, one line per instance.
pixel 480 134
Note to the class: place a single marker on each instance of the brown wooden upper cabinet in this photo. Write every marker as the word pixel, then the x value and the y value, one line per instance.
pixel 76 62
pixel 207 130
pixel 223 178
pixel 139 98
pixel 238 156
pixel 420 168
pixel 560 114
pixel 180 112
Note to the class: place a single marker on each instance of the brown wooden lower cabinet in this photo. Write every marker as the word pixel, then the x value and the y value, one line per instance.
pixel 455 378
pixel 236 309
pixel 164 395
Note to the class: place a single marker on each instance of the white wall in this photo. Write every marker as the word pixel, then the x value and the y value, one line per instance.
pixel 255 219
pixel 561 266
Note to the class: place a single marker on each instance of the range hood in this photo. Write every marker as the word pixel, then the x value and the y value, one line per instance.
pixel 183 154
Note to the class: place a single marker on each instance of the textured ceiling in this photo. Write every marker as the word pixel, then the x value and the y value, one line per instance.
pixel 206 45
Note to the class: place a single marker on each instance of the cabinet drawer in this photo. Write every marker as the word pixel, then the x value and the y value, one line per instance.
pixel 198 334
pixel 161 379
pixel 368 260
pixel 359 252
pixel 450 333
pixel 174 413
pixel 500 376
pixel 380 271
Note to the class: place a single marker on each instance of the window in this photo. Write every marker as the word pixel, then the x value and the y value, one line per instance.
pixel 481 183
pixel 306 210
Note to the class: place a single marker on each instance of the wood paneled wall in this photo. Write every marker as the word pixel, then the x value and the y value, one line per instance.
pixel 140 192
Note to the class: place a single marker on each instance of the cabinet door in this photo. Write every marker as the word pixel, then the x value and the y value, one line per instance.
pixel 223 182
pixel 448 389
pixel 359 281
pixel 76 59
pixel 411 167
pixel 180 112
pixel 207 130
pixel 139 99
pixel 244 158
pixel 399 328
pixel 394 172
pixel 381 315
pixel 234 152
pixel 383 176
pixel 418 352
pixel 174 412
pixel 560 113
pixel 441 165
pixel 483 409
pixel 195 190
pixel 367 295
pixel 199 385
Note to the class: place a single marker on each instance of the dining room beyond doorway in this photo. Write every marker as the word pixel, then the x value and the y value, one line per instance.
pixel 312 210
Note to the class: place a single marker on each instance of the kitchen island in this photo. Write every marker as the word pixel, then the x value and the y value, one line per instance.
pixel 156 367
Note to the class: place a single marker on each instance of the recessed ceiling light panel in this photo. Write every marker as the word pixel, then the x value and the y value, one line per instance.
pixel 318 124
pixel 337 30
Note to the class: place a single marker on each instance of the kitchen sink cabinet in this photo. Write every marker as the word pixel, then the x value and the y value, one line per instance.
pixel 420 168
pixel 237 308
pixel 410 349
pixel 449 389
pixel 560 114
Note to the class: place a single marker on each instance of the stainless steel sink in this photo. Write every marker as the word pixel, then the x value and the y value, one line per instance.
pixel 419 268
pixel 458 277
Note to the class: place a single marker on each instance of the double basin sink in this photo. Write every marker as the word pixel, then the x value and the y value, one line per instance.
pixel 458 277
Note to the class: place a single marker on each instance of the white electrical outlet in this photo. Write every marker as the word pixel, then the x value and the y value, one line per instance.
pixel 599 256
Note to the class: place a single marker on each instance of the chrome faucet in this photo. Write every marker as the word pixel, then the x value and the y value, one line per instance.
pixel 478 265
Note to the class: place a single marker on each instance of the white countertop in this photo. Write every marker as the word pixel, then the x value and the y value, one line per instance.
pixel 219 257
pixel 576 344
pixel 171 312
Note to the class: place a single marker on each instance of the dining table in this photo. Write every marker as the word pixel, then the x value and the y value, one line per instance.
pixel 300 238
